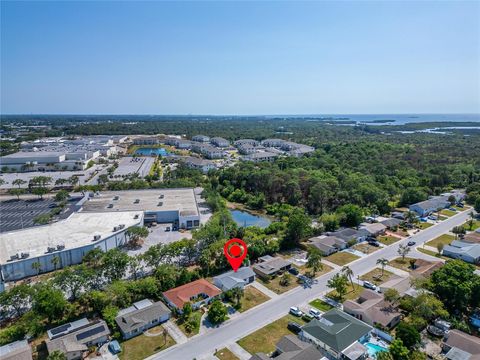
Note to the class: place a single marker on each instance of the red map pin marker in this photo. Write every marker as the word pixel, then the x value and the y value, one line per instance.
pixel 235 251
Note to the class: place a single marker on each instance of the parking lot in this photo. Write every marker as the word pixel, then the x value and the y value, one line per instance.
pixel 19 214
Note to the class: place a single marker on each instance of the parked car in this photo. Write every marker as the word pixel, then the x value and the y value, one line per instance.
pixel 294 327
pixel 315 313
pixel 432 217
pixel 411 243
pixel 369 285
pixel 293 271
pixel 114 347
pixel 374 243
pixel 51 206
pixel 423 219
pixel 307 317
pixel 296 311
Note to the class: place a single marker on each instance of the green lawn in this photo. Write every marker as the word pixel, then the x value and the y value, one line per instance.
pixel 341 258
pixel 432 253
pixel 475 225
pixel 321 305
pixel 444 239
pixel 143 346
pixel 424 225
pixel 352 293
pixel 196 317
pixel 388 239
pixel 375 276
pixel 448 213
pixel 252 297
pixel 225 354
pixel 264 339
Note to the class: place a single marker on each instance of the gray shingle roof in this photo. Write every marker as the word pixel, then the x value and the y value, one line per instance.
pixel 337 329
pixel 137 318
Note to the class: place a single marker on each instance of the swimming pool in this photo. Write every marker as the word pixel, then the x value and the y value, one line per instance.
pixel 152 151
pixel 373 349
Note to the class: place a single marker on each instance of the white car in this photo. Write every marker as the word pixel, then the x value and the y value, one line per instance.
pixel 296 311
pixel 369 285
pixel 315 313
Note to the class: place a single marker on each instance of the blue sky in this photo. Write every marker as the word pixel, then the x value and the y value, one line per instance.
pixel 240 57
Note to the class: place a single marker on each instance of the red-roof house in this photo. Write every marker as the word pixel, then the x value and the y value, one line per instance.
pixel 197 292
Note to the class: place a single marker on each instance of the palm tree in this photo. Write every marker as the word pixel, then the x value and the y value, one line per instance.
pixel 348 273
pixel 55 261
pixel 382 262
pixel 237 294
pixel 471 221
pixel 37 267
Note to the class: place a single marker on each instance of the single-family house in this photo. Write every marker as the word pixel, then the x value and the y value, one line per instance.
pixel 232 279
pixel 373 229
pixel 328 244
pixel 463 250
pixel 458 194
pixel 338 334
pixel 424 208
pixel 458 345
pixel 141 316
pixel 370 307
pixel 269 266
pixel 17 350
pixel 398 215
pixel 290 347
pixel 74 338
pixel 348 234
pixel 198 293
pixel 391 223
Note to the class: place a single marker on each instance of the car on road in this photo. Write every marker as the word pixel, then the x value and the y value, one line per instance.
pixel 411 243
pixel 296 311
pixel 369 285
pixel 315 313
pixel 51 206
pixel 293 271
pixel 294 327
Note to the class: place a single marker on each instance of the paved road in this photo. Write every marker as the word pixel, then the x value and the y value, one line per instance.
pixel 261 315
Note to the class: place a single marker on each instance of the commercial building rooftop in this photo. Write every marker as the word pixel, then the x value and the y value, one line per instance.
pixel 77 230
pixel 182 200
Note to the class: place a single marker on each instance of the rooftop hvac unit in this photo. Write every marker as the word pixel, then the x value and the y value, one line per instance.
pixel 110 206
pixel 136 216
pixel 136 201
pixel 96 237
pixel 14 257
pixel 24 255
pixel 121 226
pixel 160 203
pixel 115 228
pixel 60 247
pixel 162 196
pixel 50 249
pixel 116 197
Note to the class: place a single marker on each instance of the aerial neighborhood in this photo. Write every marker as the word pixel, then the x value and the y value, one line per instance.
pixel 112 247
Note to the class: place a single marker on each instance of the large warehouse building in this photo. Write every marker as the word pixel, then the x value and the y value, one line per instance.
pixel 68 239
pixel 176 206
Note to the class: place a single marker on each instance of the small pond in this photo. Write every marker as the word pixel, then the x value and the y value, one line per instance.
pixel 152 151
pixel 244 218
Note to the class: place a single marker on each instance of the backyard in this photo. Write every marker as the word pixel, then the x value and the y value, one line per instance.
pixel 143 346
pixel 264 339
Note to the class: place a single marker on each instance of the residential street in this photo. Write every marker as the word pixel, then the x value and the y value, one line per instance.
pixel 269 311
